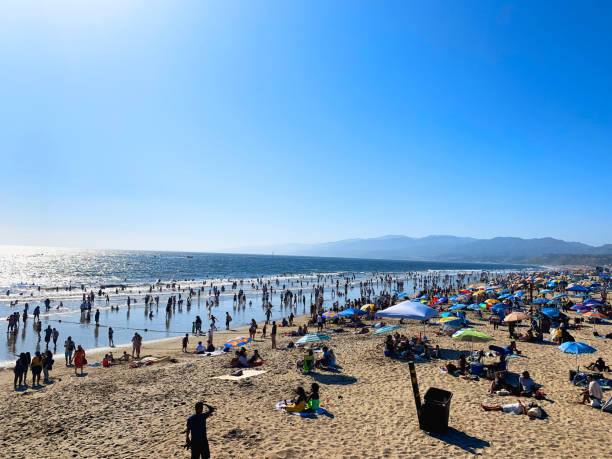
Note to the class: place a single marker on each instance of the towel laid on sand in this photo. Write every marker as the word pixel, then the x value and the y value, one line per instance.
pixel 246 373
pixel 212 354
pixel 319 411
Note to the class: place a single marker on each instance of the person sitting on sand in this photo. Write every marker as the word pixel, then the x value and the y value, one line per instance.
pixel 390 347
pixel 255 359
pixel 527 385
pixel 298 404
pixel 125 357
pixel 313 402
pixel 306 364
pixel 499 382
pixel 200 349
pixel 210 347
pixel 598 365
pixel 593 393
pixel 531 409
pixel 328 359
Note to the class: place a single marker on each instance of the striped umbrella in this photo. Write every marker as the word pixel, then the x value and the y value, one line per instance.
pixel 367 307
pixel 330 314
pixel 387 329
pixel 313 338
pixel 235 342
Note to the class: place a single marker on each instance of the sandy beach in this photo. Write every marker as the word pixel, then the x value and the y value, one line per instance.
pixel 141 412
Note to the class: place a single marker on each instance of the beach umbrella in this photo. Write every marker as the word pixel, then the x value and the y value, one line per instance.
pixel 330 314
pixel 457 306
pixel 551 312
pixel 313 338
pixel 351 311
pixel 473 307
pixel 401 295
pixel 577 288
pixel 592 301
pixel 235 342
pixel 367 307
pixel 516 316
pixel 540 301
pixel 442 300
pixel 387 329
pixel 546 290
pixel 577 348
pixel 448 314
pixel 408 310
pixel 491 301
pixel 597 315
pixel 453 322
pixel 560 295
pixel 471 336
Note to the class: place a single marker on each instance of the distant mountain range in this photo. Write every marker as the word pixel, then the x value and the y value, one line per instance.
pixel 452 248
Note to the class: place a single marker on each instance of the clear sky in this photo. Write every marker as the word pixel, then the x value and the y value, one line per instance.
pixel 202 125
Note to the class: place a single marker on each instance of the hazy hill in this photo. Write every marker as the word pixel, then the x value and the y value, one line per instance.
pixel 442 248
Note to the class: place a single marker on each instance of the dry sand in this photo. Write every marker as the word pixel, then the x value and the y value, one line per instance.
pixel 133 413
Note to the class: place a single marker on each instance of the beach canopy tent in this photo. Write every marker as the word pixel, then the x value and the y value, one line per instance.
pixel 350 312
pixel 408 310
pixel 313 338
pixel 576 347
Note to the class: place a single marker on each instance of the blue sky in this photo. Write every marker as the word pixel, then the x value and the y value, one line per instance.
pixel 202 125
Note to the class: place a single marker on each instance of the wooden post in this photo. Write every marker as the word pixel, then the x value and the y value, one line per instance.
pixel 415 390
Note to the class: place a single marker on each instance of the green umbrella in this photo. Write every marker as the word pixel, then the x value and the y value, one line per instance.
pixel 471 335
pixel 313 338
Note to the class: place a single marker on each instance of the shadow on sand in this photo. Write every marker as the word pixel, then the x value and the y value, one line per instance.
pixel 462 440
pixel 333 379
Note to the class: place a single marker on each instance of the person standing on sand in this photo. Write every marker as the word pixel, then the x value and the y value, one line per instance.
pixel 273 334
pixel 79 359
pixel 228 319
pixel 196 426
pixel 55 337
pixel 68 350
pixel 185 342
pixel 111 341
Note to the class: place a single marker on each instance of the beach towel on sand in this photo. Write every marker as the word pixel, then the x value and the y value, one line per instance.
pixel 319 411
pixel 246 373
pixel 212 354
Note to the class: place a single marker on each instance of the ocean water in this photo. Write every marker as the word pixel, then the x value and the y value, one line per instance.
pixel 31 274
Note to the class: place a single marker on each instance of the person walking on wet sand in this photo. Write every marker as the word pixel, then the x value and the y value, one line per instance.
pixel 136 343
pixel 185 342
pixel 228 319
pixel 196 426
pixel 111 341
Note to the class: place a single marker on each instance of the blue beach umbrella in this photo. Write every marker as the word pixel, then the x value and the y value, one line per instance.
pixel 577 348
pixel 351 311
pixel 551 312
pixel 540 301
pixel 447 314
pixel 313 338
pixel 457 306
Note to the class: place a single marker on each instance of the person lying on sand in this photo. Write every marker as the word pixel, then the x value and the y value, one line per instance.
pixel 531 409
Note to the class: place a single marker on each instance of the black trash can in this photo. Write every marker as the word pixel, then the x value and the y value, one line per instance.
pixel 436 410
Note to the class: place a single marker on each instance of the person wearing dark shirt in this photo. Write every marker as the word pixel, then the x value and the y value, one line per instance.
pixel 196 426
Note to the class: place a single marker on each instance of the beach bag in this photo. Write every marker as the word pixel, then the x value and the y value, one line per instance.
pixel 607 407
